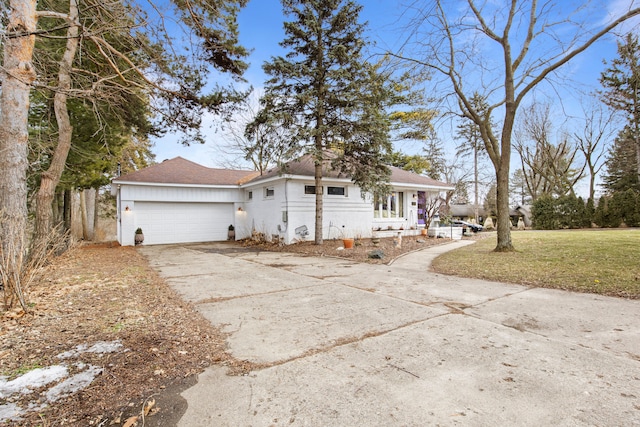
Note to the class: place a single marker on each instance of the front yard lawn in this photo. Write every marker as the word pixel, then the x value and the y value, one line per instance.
pixel 597 261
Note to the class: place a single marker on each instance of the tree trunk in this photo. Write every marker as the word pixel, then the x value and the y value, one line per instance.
pixel 592 181
pixel 638 155
pixel 96 215
pixel 318 183
pixel 58 213
pixel 51 177
pixel 67 210
pixel 17 74
pixel 504 243
pixel 475 180
pixel 83 215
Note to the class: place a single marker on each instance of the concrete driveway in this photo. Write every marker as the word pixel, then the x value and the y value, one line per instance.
pixel 347 344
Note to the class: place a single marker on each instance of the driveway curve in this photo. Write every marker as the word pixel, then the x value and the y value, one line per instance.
pixel 338 343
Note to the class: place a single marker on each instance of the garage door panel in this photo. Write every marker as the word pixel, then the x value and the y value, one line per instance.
pixel 164 222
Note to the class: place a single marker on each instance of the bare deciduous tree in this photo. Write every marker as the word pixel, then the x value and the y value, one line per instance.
pixel 502 51
pixel 548 168
pixel 594 139
pixel 252 136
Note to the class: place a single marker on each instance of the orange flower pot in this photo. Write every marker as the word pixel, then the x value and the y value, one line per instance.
pixel 347 243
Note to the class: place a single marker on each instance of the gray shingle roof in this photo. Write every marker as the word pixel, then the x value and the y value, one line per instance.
pixel 182 171
pixel 304 166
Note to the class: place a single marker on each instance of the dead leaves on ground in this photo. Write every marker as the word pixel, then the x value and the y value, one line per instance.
pixel 147 411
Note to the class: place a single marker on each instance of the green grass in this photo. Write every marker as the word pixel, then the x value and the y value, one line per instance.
pixel 22 370
pixel 597 261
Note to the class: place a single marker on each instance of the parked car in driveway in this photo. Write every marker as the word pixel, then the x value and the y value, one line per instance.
pixel 467 226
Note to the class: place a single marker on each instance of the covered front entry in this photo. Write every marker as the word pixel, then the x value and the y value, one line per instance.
pixel 173 222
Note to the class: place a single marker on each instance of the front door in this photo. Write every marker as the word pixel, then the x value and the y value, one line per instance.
pixel 422 207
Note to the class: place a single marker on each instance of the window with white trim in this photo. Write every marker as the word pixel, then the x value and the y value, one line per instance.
pixel 389 206
pixel 337 191
pixel 269 192
pixel 309 189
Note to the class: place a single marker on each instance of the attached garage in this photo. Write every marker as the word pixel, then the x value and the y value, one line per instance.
pixel 178 201
pixel 167 222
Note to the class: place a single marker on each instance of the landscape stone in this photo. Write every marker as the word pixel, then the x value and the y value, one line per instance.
pixel 376 254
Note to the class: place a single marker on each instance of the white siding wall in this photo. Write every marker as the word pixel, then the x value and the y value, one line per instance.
pixel 348 215
pixel 148 193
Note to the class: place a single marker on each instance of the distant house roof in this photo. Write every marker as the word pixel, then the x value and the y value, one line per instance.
pixel 466 210
pixel 523 210
pixel 183 171
pixel 305 166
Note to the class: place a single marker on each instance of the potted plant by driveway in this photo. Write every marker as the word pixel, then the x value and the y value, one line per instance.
pixel 231 235
pixel 139 238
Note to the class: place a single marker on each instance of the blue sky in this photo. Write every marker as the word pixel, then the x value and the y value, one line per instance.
pixel 261 30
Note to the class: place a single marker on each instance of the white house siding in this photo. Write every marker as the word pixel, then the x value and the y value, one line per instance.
pixel 348 215
pixel 262 214
pixel 176 214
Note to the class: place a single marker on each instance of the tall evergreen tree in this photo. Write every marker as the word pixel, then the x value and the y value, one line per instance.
pixel 329 96
pixel 622 83
pixel 434 151
pixel 621 164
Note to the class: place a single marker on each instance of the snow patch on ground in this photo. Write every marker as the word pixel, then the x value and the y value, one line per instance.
pixel 101 347
pixel 57 376
pixel 32 380
pixel 73 384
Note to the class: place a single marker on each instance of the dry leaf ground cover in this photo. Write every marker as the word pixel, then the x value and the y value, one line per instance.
pixel 100 294
pixel 597 261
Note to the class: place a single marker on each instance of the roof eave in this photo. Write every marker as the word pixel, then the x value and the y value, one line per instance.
pixel 422 186
pixel 165 184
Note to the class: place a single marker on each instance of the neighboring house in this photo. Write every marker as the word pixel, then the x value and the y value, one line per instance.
pixel 466 212
pixel 178 201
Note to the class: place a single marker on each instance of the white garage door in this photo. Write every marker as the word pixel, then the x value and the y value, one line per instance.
pixel 163 222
